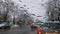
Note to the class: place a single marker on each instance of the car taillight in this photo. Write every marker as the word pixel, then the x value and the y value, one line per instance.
pixel 39 31
pixel 30 24
pixel 39 23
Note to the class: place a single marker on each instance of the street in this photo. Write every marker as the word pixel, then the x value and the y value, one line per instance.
pixel 18 30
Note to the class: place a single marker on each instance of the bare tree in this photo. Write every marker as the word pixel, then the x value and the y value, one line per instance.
pixel 5 7
pixel 53 9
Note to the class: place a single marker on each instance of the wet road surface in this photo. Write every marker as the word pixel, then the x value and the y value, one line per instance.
pixel 18 30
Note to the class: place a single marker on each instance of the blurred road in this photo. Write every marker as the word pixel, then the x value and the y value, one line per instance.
pixel 18 30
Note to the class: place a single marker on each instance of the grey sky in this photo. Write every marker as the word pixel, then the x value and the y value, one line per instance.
pixel 37 7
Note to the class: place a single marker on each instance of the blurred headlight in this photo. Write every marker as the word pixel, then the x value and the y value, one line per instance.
pixel 52 33
pixel 47 33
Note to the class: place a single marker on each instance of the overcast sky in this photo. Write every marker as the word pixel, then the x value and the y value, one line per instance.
pixel 37 7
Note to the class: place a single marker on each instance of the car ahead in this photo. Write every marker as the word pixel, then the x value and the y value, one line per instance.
pixel 35 25
pixel 49 28
pixel 5 25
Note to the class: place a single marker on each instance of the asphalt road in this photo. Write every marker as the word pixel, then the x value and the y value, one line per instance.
pixel 18 30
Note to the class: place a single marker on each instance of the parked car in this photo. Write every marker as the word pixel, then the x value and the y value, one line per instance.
pixel 5 25
pixel 49 28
